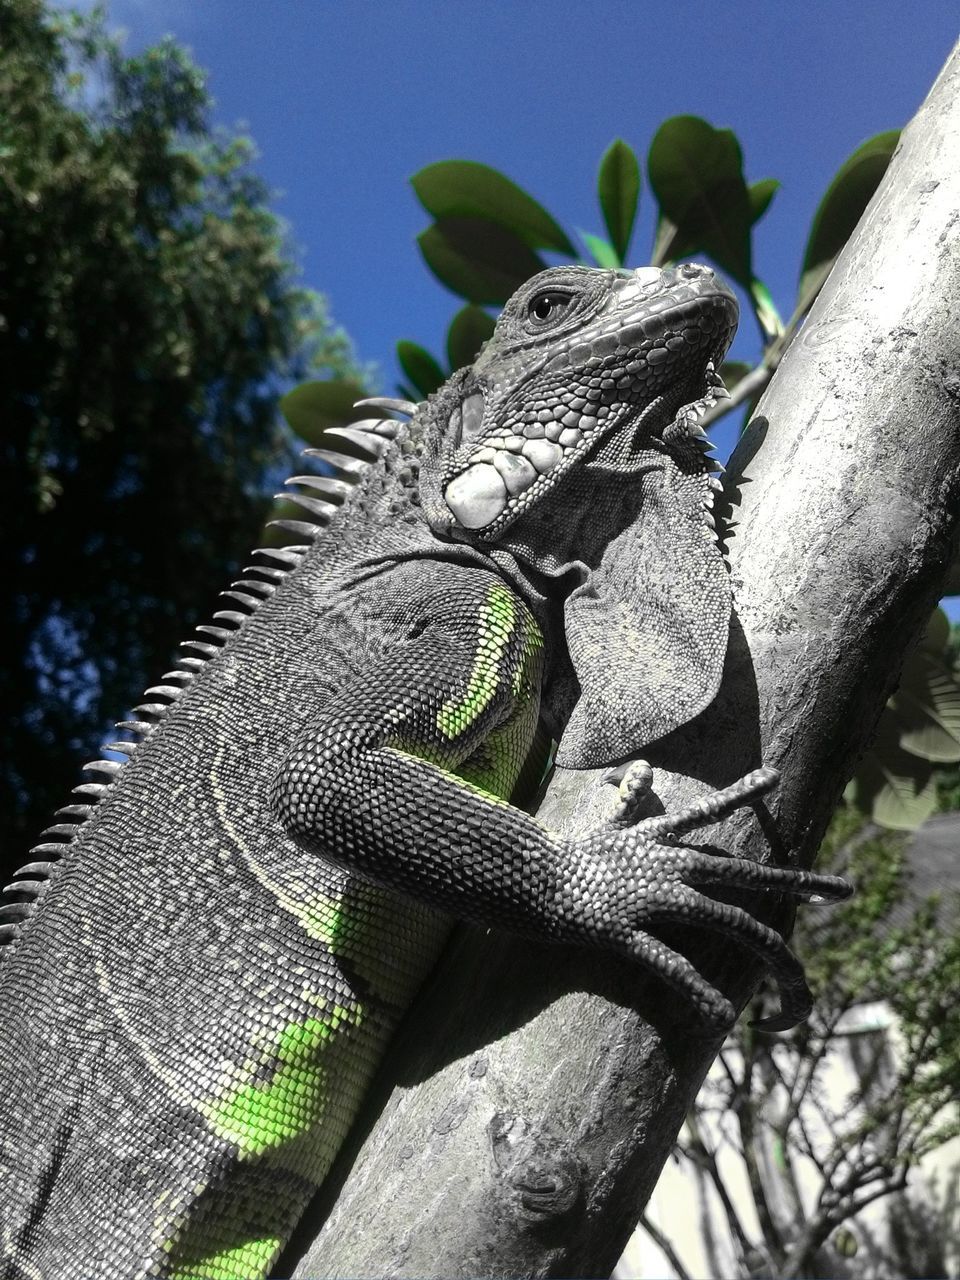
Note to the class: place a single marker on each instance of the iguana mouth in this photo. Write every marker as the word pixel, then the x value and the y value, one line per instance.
pixel 510 467
pixel 679 406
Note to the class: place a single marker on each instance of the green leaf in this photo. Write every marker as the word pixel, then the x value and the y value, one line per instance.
pixel 733 371
pixel 841 208
pixel 845 1242
pixel 469 329
pixel 907 800
pixel 314 406
pixel 936 634
pixel 603 253
pixel 893 787
pixel 761 193
pixel 420 367
pixel 465 189
pixel 481 261
pixel 767 314
pixel 618 186
pixel 696 173
pixel 926 708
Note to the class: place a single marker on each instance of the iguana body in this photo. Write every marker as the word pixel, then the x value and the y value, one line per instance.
pixel 201 976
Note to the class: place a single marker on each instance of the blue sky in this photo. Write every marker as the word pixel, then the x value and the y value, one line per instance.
pixel 346 100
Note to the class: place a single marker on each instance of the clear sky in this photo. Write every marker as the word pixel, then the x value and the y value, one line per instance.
pixel 346 99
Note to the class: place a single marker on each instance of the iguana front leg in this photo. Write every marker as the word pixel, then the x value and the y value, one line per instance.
pixel 372 788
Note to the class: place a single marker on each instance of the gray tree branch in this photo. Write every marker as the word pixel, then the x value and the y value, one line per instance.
pixel 536 1092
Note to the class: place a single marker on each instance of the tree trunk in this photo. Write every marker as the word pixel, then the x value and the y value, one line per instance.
pixel 535 1092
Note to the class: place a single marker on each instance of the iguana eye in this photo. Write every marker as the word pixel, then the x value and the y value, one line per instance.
pixel 547 306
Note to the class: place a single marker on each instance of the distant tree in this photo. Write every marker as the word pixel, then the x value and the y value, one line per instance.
pixel 149 318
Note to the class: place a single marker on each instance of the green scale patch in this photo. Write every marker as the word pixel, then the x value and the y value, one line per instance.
pixel 497 621
pixel 288 1114
pixel 261 1117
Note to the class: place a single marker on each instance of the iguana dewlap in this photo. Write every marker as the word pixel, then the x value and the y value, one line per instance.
pixel 207 956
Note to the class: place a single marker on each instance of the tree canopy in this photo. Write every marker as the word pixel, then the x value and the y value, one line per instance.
pixel 150 316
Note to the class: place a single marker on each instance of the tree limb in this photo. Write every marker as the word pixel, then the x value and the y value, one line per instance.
pixel 538 1091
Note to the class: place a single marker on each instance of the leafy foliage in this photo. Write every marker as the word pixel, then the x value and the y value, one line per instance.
pixel 919 730
pixel 618 189
pixel 704 206
pixel 477 258
pixel 313 407
pixel 841 207
pixel 149 315
pixel 486 231
pixel 696 173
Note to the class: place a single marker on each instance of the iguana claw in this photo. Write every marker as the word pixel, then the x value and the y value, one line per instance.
pixel 638 877
pixel 633 783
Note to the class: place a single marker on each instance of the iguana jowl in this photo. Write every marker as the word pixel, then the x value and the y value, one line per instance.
pixel 205 962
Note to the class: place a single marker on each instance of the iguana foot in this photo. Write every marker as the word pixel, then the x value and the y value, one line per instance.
pixel 633 878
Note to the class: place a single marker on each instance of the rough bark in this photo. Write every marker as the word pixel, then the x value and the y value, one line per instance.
pixel 536 1092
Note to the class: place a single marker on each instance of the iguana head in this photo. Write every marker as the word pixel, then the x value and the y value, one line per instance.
pixel 573 443
pixel 578 356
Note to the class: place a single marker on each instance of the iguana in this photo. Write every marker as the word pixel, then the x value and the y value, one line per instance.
pixel 208 954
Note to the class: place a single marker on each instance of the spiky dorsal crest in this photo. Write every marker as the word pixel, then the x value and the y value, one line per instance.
pixel 368 441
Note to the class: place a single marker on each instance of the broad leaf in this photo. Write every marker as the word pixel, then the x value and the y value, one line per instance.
pixel 927 709
pixel 314 406
pixel 936 634
pixel 893 787
pixel 465 189
pixel 841 208
pixel 420 367
pixel 603 253
pixel 618 187
pixel 469 330
pixel 930 725
pixel 761 193
pixel 696 173
pixel 906 801
pixel 481 261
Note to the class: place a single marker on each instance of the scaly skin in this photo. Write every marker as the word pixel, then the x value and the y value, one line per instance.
pixel 202 974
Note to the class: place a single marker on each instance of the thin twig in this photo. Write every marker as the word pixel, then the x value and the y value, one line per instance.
pixel 707 1162
pixel 665 1247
